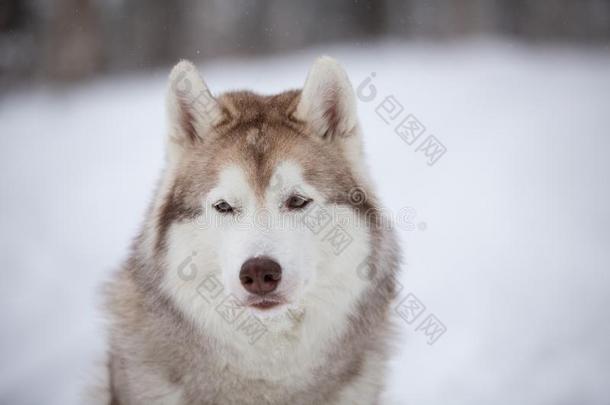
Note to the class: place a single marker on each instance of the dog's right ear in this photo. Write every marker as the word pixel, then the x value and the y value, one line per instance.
pixel 192 110
pixel 328 102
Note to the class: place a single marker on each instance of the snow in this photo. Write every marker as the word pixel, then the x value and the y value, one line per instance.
pixel 510 249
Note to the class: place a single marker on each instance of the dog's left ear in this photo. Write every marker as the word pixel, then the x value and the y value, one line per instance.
pixel 328 102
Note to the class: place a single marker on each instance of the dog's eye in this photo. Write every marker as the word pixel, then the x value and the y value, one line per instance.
pixel 223 207
pixel 297 202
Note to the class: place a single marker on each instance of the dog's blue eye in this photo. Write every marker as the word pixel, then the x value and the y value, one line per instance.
pixel 223 207
pixel 297 202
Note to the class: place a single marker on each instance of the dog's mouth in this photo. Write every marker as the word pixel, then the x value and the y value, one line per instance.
pixel 265 302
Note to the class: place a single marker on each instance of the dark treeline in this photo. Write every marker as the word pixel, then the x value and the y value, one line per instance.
pixel 71 39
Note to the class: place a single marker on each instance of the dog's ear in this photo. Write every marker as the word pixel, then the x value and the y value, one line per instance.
pixel 192 110
pixel 328 102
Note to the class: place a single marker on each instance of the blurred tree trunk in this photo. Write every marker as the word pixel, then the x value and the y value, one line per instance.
pixel 74 48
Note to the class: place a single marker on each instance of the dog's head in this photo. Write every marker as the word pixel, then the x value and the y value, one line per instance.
pixel 264 196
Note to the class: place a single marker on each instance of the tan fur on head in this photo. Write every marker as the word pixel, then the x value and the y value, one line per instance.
pixel 169 343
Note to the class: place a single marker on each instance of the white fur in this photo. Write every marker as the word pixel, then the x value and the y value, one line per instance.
pixel 320 286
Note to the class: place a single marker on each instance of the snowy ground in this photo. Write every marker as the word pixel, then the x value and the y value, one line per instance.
pixel 511 246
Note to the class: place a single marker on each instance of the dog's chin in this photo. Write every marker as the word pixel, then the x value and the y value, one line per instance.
pixel 269 312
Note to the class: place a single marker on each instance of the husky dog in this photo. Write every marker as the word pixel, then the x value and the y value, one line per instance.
pixel 263 273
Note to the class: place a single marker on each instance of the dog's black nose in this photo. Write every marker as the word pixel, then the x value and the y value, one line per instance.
pixel 260 275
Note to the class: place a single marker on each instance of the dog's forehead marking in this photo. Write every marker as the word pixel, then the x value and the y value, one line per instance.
pixel 232 183
pixel 252 136
pixel 256 134
pixel 266 141
pixel 233 175
pixel 287 173
pixel 255 139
